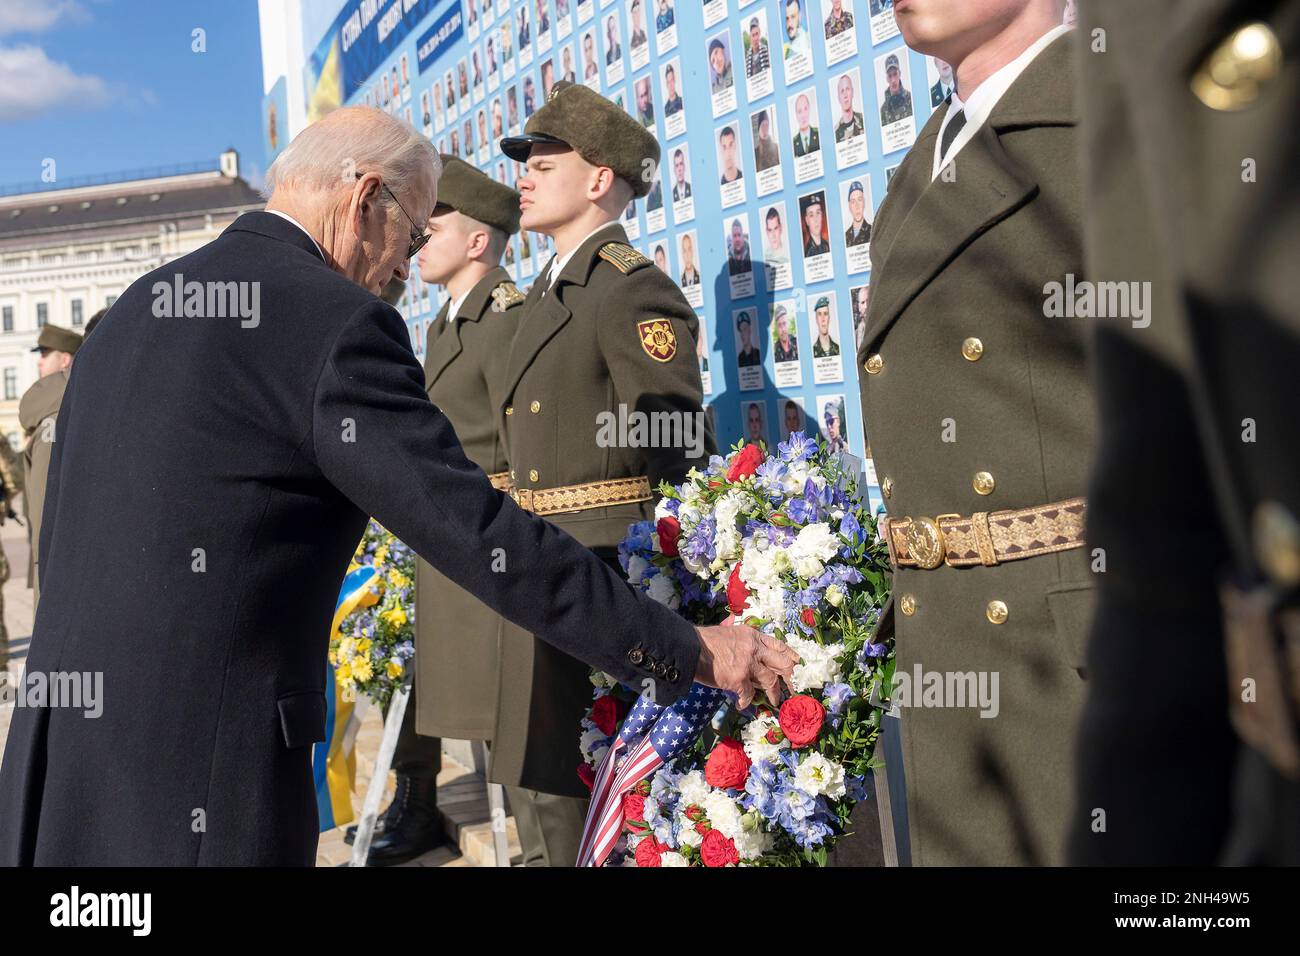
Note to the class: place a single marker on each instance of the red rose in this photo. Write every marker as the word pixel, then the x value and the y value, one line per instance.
pixel 586 775
pixel 702 828
pixel 727 766
pixel 737 593
pixel 634 810
pixel 745 463
pixel 648 852
pixel 801 719
pixel 693 813
pixel 808 617
pixel 717 850
pixel 607 713
pixel 668 528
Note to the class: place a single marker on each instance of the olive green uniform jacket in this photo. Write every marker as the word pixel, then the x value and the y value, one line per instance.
pixel 579 353
pixel 39 405
pixel 1181 499
pixel 456 635
pixel 968 259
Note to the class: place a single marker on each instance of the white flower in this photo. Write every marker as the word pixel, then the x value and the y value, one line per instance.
pixel 637 566
pixel 817 775
pixel 688 835
pixel 815 540
pixel 662 509
pixel 795 476
pixel 808 566
pixel 820 665
pixel 754 738
pixel 663 590
pixel 752 842
pixel 723 813
pixel 592 739
pixel 834 595
pixel 669 858
pixel 693 789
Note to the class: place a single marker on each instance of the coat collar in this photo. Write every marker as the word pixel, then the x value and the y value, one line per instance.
pixel 444 344
pixel 544 310
pixel 275 227
pixel 940 218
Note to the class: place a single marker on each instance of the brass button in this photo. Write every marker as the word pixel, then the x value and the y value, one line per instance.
pixel 972 349
pixel 887 486
pixel 983 483
pixel 512 474
pixel 636 655
pixel 874 364
pixel 996 612
pixel 1231 76
pixel 535 407
pixel 532 474
pixel 510 409
pixel 907 604
pixel 1277 542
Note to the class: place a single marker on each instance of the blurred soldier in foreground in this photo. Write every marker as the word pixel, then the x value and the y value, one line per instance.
pixel 1190 127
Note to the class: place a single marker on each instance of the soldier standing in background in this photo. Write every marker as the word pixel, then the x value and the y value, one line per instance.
pixel 38 411
pixel 456 636
pixel 11 480
pixel 603 333
pixel 1190 125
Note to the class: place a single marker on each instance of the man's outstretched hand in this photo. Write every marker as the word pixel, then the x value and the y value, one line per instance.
pixel 737 658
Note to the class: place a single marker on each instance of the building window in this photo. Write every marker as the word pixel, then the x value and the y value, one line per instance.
pixel 42 314
pixel 109 300
pixel 77 315
pixel 11 384
pixel 7 313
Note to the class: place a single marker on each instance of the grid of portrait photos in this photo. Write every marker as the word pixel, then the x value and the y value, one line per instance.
pixel 798 110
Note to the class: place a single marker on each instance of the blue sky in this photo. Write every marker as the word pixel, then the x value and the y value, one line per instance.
pixel 103 86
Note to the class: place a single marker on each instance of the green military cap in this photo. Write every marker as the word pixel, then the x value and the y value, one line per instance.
pixel 59 339
pixel 477 195
pixel 822 303
pixel 594 128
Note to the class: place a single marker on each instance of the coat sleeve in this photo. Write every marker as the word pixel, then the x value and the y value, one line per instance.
pixel 404 466
pixel 650 383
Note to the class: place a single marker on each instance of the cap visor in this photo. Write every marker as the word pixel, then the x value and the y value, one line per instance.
pixel 518 147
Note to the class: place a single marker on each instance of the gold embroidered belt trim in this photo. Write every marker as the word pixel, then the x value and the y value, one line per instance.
pixel 985 538
pixel 583 497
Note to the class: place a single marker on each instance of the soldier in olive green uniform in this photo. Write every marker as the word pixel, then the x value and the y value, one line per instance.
pixel 978 411
pixel 456 636
pixel 1196 494
pixel 898 102
pixel 603 331
pixel 11 478
pixel 37 412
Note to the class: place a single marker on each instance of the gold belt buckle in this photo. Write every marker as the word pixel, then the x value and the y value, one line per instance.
pixel 523 497
pixel 925 541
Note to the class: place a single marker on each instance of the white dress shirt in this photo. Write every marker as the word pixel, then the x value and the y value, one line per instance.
pixel 454 309
pixel 559 262
pixel 285 215
pixel 981 101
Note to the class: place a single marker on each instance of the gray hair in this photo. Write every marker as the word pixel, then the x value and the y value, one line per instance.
pixel 351 140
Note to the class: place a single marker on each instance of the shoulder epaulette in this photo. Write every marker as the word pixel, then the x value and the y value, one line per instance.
pixel 623 257
pixel 506 295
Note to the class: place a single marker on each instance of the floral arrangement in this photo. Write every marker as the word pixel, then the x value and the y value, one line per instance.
pixel 374 644
pixel 784 543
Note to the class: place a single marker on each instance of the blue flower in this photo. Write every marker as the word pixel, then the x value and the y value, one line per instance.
pixel 699 544
pixel 837 696
pixel 796 448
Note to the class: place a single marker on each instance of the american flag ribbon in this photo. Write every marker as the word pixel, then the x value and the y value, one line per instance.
pixel 671 730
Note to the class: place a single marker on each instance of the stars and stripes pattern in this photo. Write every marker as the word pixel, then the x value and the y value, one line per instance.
pixel 668 733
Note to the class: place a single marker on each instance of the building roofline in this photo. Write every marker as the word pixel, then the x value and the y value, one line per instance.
pixel 89 187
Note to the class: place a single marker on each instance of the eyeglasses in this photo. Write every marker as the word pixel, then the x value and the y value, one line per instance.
pixel 418 236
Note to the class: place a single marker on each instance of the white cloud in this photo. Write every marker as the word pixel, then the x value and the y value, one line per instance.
pixel 34 16
pixel 31 84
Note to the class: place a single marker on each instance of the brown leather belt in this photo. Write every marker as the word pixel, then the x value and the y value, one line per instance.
pixel 583 497
pixel 985 538
pixel 500 480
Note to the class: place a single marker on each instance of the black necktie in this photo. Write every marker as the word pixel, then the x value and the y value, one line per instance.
pixel 955 125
